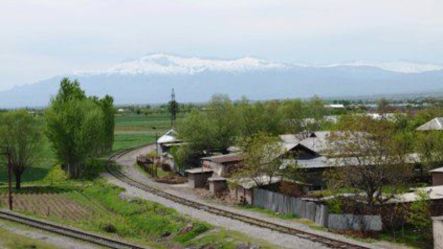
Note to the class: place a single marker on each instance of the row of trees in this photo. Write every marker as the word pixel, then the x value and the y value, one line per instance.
pixel 222 122
pixel 79 128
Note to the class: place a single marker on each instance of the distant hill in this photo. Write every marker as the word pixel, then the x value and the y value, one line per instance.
pixel 150 79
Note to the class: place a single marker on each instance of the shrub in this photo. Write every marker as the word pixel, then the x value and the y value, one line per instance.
pixel 56 175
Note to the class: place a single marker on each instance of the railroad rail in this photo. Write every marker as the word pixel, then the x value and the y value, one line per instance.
pixel 329 242
pixel 67 231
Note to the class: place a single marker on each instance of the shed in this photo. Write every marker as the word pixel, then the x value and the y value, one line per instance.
pixel 198 177
pixel 217 184
pixel 223 165
pixel 243 190
pixel 437 176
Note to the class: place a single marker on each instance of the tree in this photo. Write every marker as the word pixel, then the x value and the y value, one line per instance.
pixel 173 108
pixel 374 159
pixel 20 136
pixel 259 117
pixel 76 127
pixel 212 130
pixel 262 159
pixel 107 105
pixel 420 213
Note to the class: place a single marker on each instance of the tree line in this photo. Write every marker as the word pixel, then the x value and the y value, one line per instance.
pixel 79 127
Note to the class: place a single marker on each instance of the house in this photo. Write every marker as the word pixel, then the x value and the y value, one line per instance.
pixel 317 154
pixel 437 176
pixel 223 165
pixel 168 140
pixel 435 124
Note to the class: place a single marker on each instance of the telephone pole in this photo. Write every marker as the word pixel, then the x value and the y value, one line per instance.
pixel 173 108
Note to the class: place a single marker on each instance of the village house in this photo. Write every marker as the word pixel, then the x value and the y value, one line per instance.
pixel 223 165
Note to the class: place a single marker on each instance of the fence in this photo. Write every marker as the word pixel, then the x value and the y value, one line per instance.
pixel 317 213
pixel 438 232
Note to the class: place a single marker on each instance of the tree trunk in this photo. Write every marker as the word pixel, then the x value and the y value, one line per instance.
pixel 18 181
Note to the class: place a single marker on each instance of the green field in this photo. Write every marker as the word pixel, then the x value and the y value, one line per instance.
pixel 137 129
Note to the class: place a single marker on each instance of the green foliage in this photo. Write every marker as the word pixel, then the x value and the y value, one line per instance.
pixel 55 176
pixel 420 213
pixel 262 156
pixel 21 137
pixel 78 127
pixel 141 218
pixel 335 206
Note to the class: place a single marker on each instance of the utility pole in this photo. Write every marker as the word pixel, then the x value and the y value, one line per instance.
pixel 9 159
pixel 173 108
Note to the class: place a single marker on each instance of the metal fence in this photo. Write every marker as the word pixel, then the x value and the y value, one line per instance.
pixel 317 213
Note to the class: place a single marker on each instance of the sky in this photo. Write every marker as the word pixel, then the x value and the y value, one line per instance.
pixel 44 38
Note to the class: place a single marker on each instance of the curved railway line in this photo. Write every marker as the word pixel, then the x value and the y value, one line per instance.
pixel 329 242
pixel 67 231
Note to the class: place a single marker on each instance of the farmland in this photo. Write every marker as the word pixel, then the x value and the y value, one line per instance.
pixel 133 129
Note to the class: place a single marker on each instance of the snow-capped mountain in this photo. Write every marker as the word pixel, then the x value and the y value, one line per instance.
pixel 169 64
pixel 150 79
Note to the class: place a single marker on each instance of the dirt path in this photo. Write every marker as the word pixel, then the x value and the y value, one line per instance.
pixel 279 239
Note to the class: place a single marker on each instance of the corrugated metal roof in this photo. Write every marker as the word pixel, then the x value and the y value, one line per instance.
pixel 232 157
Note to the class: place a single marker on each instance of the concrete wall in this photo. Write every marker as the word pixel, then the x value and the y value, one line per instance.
pixel 437 226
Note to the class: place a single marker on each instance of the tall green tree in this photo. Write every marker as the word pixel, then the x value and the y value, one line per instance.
pixel 107 105
pixel 76 126
pixel 21 137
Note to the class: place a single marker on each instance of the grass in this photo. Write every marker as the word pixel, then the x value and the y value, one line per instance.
pixel 269 212
pixel 408 236
pixel 10 240
pixel 137 129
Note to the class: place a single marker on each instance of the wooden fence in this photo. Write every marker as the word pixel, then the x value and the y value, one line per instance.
pixel 317 213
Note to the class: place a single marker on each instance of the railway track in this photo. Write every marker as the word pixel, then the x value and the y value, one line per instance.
pixel 329 242
pixel 67 231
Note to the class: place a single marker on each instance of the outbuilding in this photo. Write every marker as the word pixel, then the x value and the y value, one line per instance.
pixel 437 176
pixel 198 177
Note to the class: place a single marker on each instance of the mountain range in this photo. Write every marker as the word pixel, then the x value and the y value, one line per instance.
pixel 149 79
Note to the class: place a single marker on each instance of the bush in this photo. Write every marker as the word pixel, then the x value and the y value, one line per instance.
pixel 93 168
pixel 109 228
pixel 56 175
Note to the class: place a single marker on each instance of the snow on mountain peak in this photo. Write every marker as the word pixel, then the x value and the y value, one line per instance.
pixel 169 64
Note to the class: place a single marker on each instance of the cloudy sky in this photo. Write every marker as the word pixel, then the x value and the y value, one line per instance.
pixel 40 39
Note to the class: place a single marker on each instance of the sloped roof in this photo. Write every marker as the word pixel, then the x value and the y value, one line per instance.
pixel 169 137
pixel 232 157
pixel 435 124
pixel 435 193
pixel 248 183
pixel 437 170
pixel 289 138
